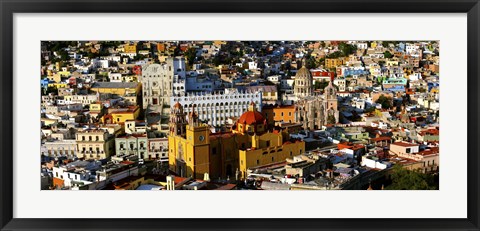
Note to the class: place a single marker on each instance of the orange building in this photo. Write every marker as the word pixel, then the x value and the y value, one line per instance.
pixel 275 114
pixel 160 47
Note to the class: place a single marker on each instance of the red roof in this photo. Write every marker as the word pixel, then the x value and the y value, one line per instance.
pixel 381 138
pixel 251 117
pixel 405 144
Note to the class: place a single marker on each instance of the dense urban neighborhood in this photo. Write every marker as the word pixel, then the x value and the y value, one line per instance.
pixel 240 115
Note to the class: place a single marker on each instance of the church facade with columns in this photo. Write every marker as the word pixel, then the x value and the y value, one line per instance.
pixel 313 110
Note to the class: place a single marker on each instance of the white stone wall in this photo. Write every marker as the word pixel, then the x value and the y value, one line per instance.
pixel 216 108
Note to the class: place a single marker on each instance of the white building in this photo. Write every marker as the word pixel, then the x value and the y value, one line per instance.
pixel 76 173
pixel 415 76
pixel 57 148
pixel 372 162
pixel 362 46
pixel 99 63
pixel 411 48
pixel 199 84
pixel 252 65
pixel 157 81
pixel 274 78
pixel 130 55
pixel 341 83
pixel 216 108
pixel 114 58
pixel 115 77
pixel 78 99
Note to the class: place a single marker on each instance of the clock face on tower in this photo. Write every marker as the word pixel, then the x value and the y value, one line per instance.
pixel 201 138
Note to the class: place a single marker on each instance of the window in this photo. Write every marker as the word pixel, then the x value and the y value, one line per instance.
pixel 214 151
pixel 258 162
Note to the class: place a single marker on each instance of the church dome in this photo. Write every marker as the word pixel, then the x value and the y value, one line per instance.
pixel 303 82
pixel 177 105
pixel 252 116
pixel 303 73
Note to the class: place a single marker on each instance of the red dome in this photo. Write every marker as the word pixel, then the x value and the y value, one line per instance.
pixel 251 117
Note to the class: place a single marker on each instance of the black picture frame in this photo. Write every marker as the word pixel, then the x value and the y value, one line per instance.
pixel 10 7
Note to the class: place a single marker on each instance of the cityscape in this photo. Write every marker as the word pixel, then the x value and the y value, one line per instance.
pixel 240 115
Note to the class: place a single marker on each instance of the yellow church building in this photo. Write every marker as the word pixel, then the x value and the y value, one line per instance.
pixel 194 150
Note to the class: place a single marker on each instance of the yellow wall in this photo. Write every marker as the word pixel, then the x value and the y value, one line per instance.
pixel 130 48
pixel 123 117
pixel 329 63
pixel 258 157
pixel 64 73
pixel 96 107
pixel 118 91
pixel 57 85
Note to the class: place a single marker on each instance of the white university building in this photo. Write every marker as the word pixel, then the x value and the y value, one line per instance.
pixel 215 108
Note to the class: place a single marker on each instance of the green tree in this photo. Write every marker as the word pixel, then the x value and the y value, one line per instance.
pixel 404 179
pixel 369 110
pixel 387 54
pixel 190 55
pixel 347 49
pixel 320 84
pixel 335 54
pixel 49 90
pixel 63 55
pixel 139 57
pixel 386 102
pixel 311 63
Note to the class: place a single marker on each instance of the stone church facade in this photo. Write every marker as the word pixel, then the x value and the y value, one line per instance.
pixel 314 111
